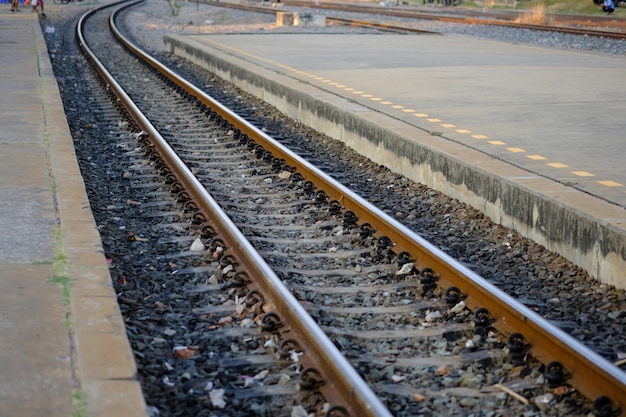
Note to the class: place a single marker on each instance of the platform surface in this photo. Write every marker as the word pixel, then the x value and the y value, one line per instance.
pixel 63 345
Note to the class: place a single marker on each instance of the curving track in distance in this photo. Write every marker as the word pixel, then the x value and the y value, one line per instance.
pixel 564 24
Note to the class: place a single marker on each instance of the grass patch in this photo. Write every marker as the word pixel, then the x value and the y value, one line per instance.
pixel 61 278
pixel 175 6
pixel 78 398
pixel 570 6
pixel 576 7
pixel 65 282
pixel 60 260
pixel 537 15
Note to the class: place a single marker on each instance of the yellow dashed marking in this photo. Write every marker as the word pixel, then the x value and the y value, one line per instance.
pixel 357 92
pixel 408 111
pixel 558 165
pixel 480 136
pixel 334 84
pixel 319 78
pixel 420 115
pixel 367 95
pixel 611 183
pixel 397 106
pixel 497 142
pixel 518 150
pixel 326 81
pixel 386 102
pixel 583 174
pixel 375 99
pixel 349 89
pixel 447 125
pixel 463 131
pixel 434 120
pixel 341 86
pixel 536 157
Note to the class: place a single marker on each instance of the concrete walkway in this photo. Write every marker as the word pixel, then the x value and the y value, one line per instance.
pixel 63 346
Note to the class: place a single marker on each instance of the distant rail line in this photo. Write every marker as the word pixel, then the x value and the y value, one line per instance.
pixel 563 24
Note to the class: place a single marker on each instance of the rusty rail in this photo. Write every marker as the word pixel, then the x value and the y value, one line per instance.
pixel 413 15
pixel 592 375
pixel 342 387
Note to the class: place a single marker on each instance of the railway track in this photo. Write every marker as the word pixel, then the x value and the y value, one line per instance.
pixel 415 324
pixel 568 25
pixel 562 24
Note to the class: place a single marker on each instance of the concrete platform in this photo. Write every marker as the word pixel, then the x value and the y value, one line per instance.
pixel 63 345
pixel 533 137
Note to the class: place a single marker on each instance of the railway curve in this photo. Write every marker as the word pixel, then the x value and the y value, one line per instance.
pixel 327 209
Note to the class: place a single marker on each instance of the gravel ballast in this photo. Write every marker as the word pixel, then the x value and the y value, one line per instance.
pixel 542 280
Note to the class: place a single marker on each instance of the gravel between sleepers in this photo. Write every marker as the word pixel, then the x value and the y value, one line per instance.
pixel 544 281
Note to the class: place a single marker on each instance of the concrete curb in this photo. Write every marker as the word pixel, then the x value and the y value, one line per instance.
pixel 104 363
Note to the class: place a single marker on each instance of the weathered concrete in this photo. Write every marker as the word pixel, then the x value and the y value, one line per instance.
pixel 589 231
pixel 52 347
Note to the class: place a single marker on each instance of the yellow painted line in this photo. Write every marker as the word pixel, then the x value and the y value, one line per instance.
pixel 434 120
pixel 536 157
pixel 341 86
pixel 517 150
pixel 611 183
pixel 558 165
pixel 367 95
pixel 497 142
pixel 408 111
pixel 349 89
pixel 386 102
pixel 357 92
pixel 334 83
pixel 319 78
pixel 447 125
pixel 583 174
pixel 326 81
pixel 375 99
pixel 463 131
pixel 480 136
pixel 420 115
pixel 397 106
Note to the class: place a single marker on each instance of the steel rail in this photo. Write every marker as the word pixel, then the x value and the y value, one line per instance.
pixel 413 15
pixel 451 19
pixel 379 26
pixel 342 384
pixel 589 373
